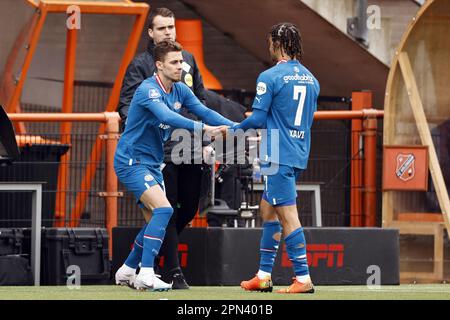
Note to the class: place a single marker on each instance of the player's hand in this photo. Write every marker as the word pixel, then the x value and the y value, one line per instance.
pixel 213 131
pixel 221 131
pixel 209 131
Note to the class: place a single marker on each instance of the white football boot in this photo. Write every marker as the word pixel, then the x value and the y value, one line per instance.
pixel 151 282
pixel 125 276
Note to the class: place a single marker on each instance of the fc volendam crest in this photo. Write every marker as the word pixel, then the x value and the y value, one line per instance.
pixel 405 166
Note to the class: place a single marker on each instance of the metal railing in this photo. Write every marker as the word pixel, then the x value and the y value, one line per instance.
pixel 92 195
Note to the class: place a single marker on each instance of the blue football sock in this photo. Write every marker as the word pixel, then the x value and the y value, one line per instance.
pixel 296 250
pixel 154 235
pixel 136 253
pixel 269 245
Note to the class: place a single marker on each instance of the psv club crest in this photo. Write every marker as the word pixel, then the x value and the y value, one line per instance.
pixel 405 166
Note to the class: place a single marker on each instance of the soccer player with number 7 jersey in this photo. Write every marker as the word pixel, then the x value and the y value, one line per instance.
pixel 285 102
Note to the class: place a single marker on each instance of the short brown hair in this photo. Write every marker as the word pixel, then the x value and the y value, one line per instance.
pixel 164 47
pixel 163 12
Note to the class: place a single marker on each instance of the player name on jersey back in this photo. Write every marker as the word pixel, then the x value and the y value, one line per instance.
pixel 297 134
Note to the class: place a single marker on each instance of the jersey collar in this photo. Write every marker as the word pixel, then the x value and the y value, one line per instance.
pixel 282 61
pixel 161 84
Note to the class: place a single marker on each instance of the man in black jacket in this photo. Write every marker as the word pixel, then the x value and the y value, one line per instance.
pixel 161 27
pixel 182 181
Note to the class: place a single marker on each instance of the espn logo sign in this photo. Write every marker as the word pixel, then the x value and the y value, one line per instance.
pixel 331 254
pixel 183 250
pixel 182 253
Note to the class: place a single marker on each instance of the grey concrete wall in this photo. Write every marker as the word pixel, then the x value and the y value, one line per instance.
pixel 335 12
pixel 395 17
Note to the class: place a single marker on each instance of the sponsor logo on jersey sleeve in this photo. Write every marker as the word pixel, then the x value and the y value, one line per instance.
pixel 149 177
pixel 154 94
pixel 261 88
pixel 164 126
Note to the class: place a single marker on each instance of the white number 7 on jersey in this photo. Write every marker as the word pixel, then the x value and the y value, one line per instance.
pixel 297 91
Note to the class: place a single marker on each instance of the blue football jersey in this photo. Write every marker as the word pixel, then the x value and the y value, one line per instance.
pixel 153 114
pixel 288 92
pixel 144 135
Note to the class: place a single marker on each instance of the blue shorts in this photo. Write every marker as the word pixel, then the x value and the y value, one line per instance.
pixel 138 178
pixel 280 184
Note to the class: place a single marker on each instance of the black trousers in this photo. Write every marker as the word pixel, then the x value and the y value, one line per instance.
pixel 182 183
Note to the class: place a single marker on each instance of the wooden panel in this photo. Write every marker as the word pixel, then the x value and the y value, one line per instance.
pixel 419 228
pixel 429 217
pixel 427 44
pixel 425 136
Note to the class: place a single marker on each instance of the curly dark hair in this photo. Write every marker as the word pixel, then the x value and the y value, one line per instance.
pixel 286 36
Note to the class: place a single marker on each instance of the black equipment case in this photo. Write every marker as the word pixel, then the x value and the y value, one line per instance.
pixel 86 248
pixel 14 266
pixel 15 271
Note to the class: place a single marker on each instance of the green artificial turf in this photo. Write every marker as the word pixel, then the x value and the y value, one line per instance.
pixel 402 292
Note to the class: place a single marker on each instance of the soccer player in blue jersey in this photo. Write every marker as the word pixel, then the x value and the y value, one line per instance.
pixel 285 102
pixel 154 112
